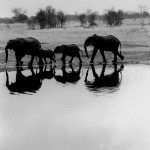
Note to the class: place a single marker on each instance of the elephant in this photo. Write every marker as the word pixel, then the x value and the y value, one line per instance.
pixel 108 82
pixel 70 76
pixel 71 50
pixel 22 47
pixel 103 43
pixel 47 54
pixel 24 84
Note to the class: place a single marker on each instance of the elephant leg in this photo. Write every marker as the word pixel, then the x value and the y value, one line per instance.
pixel 71 60
pixel 115 58
pixel 93 54
pixel 40 61
pixel 31 61
pixel 18 58
pixel 50 60
pixel 45 60
pixel 87 72
pixel 53 57
pixel 121 57
pixel 103 55
pixel 93 71
pixel 80 59
pixel 115 67
pixel 63 58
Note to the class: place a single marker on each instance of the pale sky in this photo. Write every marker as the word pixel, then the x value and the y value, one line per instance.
pixel 70 6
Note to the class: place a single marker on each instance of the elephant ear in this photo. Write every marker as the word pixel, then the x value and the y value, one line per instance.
pixel 94 39
pixel 9 45
pixel 13 44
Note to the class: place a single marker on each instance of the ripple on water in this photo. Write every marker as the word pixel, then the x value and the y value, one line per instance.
pixel 103 106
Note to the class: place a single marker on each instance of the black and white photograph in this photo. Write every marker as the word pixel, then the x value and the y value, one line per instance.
pixel 74 75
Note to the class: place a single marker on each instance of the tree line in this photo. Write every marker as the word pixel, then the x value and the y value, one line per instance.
pixel 50 18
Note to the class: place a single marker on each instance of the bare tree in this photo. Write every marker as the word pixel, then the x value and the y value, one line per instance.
pixel 32 22
pixel 19 15
pixel 113 18
pixel 62 18
pixel 143 12
pixel 51 17
pixel 92 17
pixel 41 18
pixel 82 18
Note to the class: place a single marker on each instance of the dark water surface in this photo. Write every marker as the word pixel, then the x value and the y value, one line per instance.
pixel 103 107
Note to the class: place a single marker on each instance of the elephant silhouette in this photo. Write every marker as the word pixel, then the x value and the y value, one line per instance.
pixel 24 84
pixel 72 76
pixel 108 82
pixel 103 43
pixel 24 46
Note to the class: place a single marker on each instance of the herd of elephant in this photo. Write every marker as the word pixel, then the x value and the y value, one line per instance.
pixel 23 84
pixel 31 46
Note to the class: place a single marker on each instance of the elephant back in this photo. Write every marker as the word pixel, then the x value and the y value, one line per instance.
pixel 31 45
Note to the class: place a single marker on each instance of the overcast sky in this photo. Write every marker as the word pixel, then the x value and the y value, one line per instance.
pixel 70 6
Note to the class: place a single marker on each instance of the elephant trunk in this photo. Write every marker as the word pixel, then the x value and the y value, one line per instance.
pixel 6 51
pixel 86 51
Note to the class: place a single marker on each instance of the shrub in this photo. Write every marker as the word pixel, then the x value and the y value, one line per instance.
pixel 19 15
pixel 114 18
pixel 92 17
pixel 31 22
pixel 51 17
pixel 41 18
pixel 82 18
pixel 62 18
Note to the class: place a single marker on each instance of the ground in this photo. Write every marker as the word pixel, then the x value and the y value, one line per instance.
pixel 135 40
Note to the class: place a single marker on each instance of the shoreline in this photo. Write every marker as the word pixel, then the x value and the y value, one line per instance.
pixel 131 58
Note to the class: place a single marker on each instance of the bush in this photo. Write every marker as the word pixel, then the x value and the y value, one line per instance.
pixel 51 17
pixel 62 18
pixel 41 18
pixel 92 17
pixel 19 15
pixel 31 22
pixel 114 18
pixel 82 18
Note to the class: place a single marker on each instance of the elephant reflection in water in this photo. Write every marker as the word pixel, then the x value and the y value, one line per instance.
pixel 28 84
pixel 108 82
pixel 23 83
pixel 46 73
pixel 72 76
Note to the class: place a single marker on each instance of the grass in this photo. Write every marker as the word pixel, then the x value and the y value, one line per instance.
pixel 135 41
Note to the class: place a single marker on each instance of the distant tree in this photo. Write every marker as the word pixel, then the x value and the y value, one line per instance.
pixel 19 15
pixel 114 18
pixel 41 18
pixel 82 18
pixel 51 17
pixel 32 22
pixel 92 17
pixel 143 14
pixel 62 18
